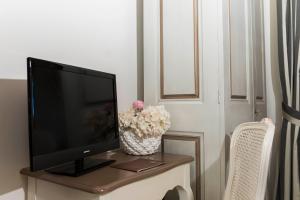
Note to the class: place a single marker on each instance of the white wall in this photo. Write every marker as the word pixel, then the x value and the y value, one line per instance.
pixel 96 34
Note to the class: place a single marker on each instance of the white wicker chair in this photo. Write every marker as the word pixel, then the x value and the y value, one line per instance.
pixel 250 151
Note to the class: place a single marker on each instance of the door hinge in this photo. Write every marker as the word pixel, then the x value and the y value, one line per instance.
pixel 219 97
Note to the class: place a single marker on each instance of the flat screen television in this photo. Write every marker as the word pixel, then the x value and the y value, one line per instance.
pixel 72 116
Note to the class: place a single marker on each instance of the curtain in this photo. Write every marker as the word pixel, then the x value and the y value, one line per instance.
pixel 289 67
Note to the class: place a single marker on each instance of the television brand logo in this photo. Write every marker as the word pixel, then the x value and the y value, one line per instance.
pixel 87 151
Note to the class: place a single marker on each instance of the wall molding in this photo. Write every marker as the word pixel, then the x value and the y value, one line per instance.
pixel 232 95
pixel 196 94
pixel 198 156
pixel 238 97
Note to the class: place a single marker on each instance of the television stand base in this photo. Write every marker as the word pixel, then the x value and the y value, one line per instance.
pixel 80 167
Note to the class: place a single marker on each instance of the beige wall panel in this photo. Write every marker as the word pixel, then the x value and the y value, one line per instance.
pixel 258 51
pixel 178 47
pixel 238 47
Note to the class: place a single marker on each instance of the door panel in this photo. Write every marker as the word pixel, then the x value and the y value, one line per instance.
pixel 191 111
pixel 239 103
pixel 259 61
pixel 179 28
pixel 245 78
pixel 239 65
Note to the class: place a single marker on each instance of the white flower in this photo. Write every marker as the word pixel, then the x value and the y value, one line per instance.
pixel 153 121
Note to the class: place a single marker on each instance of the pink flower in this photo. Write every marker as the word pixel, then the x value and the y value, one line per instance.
pixel 138 105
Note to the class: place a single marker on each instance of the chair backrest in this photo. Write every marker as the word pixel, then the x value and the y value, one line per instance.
pixel 250 151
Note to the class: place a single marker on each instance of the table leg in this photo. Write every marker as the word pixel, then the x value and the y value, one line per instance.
pixel 31 188
pixel 185 193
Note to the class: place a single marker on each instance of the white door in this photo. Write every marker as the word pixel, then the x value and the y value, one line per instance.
pixel 182 58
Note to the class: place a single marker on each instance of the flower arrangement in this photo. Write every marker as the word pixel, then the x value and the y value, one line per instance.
pixel 149 122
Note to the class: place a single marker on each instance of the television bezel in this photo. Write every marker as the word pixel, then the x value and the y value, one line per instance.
pixel 53 159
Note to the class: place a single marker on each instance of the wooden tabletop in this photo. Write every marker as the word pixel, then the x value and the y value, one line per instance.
pixel 107 179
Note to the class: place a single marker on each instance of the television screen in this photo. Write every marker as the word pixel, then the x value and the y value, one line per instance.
pixel 72 111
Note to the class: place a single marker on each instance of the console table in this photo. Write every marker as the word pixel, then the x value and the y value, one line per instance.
pixel 114 184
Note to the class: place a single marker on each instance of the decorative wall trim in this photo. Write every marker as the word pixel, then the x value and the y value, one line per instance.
pixel 196 94
pixel 259 98
pixel 241 97
pixel 233 96
pixel 197 156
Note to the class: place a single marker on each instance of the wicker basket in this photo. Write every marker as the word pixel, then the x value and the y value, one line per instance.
pixel 137 146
